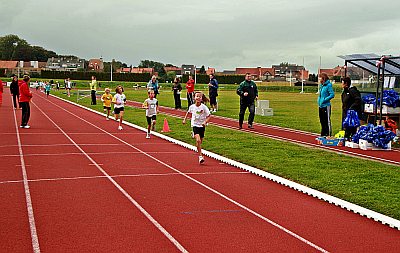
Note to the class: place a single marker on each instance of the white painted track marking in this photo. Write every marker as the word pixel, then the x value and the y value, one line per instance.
pixel 122 190
pixel 200 183
pixel 31 217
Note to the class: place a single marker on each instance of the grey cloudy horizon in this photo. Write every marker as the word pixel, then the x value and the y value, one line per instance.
pixel 221 34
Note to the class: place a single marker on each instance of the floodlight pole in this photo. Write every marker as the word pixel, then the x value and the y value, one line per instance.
pixel 112 70
pixel 302 78
pixel 195 74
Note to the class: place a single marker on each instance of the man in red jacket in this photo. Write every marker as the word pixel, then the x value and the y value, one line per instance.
pixel 25 96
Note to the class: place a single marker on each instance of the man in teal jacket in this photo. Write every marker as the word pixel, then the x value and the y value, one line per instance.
pixel 324 103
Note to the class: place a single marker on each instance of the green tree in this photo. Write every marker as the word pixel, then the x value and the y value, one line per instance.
pixel 170 76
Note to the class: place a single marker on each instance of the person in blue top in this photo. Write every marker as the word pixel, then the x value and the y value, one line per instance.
pixel 213 92
pixel 153 85
pixel 325 95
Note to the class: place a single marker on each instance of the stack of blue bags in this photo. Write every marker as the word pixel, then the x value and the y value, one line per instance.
pixel 390 98
pixel 351 120
pixel 376 135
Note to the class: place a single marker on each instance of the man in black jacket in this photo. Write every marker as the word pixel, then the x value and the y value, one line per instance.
pixel 248 92
pixel 14 89
pixel 351 100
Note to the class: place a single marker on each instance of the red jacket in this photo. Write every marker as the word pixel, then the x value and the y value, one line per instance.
pixel 1 86
pixel 190 85
pixel 25 94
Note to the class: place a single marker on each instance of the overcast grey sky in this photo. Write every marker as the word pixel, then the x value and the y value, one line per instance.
pixel 216 33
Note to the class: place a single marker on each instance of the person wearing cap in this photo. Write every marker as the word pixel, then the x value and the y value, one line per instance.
pixel 24 100
pixel 106 99
pixel 14 89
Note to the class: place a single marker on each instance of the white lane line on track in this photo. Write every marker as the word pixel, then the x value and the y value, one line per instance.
pixel 31 217
pixel 87 144
pixel 386 220
pixel 127 175
pixel 122 190
pixel 205 186
pixel 93 153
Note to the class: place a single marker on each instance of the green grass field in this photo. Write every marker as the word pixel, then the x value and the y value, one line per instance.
pixel 370 184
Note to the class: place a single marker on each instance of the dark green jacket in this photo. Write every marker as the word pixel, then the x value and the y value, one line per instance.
pixel 249 87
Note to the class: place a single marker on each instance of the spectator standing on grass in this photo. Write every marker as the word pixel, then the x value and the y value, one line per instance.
pixel 177 88
pixel 119 101
pixel 14 89
pixel 351 100
pixel 68 86
pixel 325 96
pixel 200 118
pixel 151 106
pixel 248 93
pixel 153 85
pixel 93 88
pixel 24 99
pixel 213 92
pixel 190 91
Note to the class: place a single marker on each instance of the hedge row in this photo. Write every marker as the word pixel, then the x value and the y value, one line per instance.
pixel 222 79
pixel 101 76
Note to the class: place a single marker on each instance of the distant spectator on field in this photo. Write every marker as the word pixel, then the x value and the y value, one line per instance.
pixel 190 91
pixel 57 85
pixel 68 86
pixel 153 85
pixel 351 100
pixel 14 89
pixel 325 95
pixel 25 98
pixel 248 93
pixel 177 88
pixel 213 92
pixel 93 88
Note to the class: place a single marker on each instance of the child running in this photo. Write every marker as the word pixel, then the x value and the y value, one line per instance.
pixel 119 101
pixel 200 118
pixel 106 99
pixel 151 106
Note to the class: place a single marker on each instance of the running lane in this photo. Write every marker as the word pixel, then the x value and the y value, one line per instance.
pixel 291 135
pixel 210 208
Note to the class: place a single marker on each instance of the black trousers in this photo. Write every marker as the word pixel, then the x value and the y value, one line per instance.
pixel 190 98
pixel 177 98
pixel 325 120
pixel 15 99
pixel 26 113
pixel 93 95
pixel 243 106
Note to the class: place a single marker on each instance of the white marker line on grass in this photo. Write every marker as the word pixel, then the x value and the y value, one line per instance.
pixel 122 190
pixel 309 243
pixel 127 175
pixel 31 217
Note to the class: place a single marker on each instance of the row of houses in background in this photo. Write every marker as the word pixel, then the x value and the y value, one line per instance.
pixel 281 72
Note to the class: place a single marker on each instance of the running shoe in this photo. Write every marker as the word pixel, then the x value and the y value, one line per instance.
pixel 119 127
pixel 147 136
pixel 201 159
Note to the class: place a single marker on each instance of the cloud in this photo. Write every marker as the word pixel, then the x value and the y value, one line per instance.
pixel 219 33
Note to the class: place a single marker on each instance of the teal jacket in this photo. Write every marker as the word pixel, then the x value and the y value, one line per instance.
pixel 325 94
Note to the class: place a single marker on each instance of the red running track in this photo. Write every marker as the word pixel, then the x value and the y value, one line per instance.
pixel 291 135
pixel 95 189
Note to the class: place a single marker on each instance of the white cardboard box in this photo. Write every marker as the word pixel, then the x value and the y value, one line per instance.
pixel 351 144
pixel 369 108
pixel 390 110
pixel 365 145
